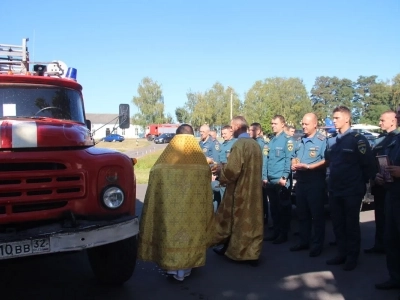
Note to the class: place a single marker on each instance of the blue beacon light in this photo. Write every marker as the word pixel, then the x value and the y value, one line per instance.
pixel 71 73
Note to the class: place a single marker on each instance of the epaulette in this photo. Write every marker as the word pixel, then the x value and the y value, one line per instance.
pixel 396 132
pixel 321 137
pixel 288 136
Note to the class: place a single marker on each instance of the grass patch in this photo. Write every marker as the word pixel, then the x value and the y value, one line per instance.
pixel 144 165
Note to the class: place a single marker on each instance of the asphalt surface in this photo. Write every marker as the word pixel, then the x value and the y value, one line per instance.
pixel 281 275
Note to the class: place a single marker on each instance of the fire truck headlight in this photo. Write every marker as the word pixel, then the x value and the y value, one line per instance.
pixel 113 197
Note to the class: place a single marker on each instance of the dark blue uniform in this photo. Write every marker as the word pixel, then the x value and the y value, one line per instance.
pixel 311 192
pixel 392 213
pixel 379 192
pixel 280 151
pixel 349 156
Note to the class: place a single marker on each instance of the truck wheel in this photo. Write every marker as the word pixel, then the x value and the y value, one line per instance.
pixel 114 263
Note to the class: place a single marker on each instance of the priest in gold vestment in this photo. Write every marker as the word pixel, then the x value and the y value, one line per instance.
pixel 176 225
pixel 239 218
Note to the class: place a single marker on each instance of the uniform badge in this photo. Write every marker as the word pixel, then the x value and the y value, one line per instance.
pixel 217 146
pixel 265 150
pixel 290 145
pixel 313 153
pixel 362 147
pixel 227 153
pixel 205 150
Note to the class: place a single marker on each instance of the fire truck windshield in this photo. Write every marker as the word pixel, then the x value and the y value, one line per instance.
pixel 33 101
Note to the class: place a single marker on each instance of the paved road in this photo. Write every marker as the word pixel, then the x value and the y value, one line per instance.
pixel 145 150
pixel 281 275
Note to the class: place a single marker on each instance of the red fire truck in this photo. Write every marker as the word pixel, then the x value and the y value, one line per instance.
pixel 154 130
pixel 58 192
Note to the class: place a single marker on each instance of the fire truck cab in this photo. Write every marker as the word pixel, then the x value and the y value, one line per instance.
pixel 58 192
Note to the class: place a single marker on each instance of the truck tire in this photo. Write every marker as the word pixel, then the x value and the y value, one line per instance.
pixel 114 263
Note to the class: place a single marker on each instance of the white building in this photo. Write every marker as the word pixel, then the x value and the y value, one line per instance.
pixel 103 124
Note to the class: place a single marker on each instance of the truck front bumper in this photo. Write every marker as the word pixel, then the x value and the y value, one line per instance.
pixel 56 238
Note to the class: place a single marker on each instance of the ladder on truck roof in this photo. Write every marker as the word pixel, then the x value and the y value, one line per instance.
pixel 14 58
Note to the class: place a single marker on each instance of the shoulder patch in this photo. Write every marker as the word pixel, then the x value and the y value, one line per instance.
pixel 290 145
pixel 362 147
pixel 265 150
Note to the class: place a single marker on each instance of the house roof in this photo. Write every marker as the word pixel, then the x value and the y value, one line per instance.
pixel 102 118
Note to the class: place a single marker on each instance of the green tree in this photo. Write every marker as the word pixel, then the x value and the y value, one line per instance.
pixel 283 96
pixel 182 115
pixel 212 107
pixel 330 92
pixel 372 98
pixel 150 103
pixel 395 93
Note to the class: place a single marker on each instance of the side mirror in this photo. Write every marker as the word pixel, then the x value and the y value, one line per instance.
pixel 88 124
pixel 124 121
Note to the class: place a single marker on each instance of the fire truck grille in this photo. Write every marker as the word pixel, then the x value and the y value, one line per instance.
pixel 38 207
pixel 35 187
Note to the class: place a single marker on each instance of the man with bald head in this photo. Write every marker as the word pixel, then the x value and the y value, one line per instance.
pixel 309 164
pixel 208 145
pixel 388 124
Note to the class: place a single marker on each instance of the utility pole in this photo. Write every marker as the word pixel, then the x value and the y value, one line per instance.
pixel 231 101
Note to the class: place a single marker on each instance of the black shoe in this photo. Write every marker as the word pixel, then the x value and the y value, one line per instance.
pixel 374 249
pixel 350 265
pixel 253 263
pixel 299 247
pixel 387 285
pixel 280 240
pixel 336 261
pixel 221 251
pixel 315 252
pixel 270 238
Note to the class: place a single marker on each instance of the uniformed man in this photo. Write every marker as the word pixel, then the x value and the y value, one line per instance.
pixel 209 147
pixel 229 140
pixel 309 164
pixel 348 155
pixel 289 130
pixel 213 135
pixel 277 168
pixel 255 131
pixel 388 124
pixel 392 211
pixel 211 150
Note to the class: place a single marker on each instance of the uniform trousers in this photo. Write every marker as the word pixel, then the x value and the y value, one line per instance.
pixel 392 234
pixel 265 204
pixel 345 214
pixel 310 198
pixel 379 204
pixel 281 208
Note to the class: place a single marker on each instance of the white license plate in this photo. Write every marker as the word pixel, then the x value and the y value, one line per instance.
pixel 25 247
